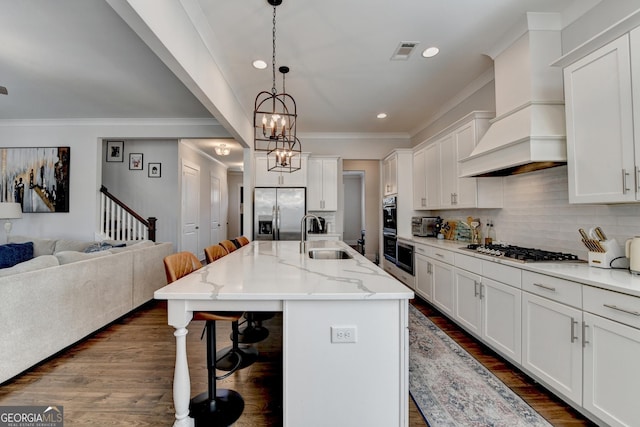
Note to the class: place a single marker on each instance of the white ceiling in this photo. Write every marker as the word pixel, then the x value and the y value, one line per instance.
pixel 74 59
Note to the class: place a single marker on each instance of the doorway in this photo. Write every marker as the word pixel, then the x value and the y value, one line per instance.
pixel 354 218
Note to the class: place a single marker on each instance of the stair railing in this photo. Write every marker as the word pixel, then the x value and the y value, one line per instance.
pixel 120 222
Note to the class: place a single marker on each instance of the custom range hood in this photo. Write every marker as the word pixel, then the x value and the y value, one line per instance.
pixel 528 132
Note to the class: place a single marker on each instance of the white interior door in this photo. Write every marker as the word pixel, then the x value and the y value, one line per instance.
pixel 216 228
pixel 189 240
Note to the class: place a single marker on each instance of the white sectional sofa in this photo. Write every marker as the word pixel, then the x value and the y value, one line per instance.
pixel 62 296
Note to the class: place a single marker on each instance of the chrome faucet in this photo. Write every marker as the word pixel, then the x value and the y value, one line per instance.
pixel 303 231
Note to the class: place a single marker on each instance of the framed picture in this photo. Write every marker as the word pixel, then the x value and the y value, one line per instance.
pixel 115 151
pixel 155 170
pixel 37 178
pixel 135 161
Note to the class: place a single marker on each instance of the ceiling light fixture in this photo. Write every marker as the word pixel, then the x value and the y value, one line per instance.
pixel 222 150
pixel 430 52
pixel 274 119
pixel 382 116
pixel 259 64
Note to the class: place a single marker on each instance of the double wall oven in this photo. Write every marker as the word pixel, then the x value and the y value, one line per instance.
pixel 389 228
pixel 397 252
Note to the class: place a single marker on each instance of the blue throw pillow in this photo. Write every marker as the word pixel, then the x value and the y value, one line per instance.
pixel 15 253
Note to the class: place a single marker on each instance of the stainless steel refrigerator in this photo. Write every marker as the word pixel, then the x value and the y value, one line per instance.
pixel 277 213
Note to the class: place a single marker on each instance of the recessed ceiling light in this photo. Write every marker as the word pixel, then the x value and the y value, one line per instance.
pixel 430 52
pixel 259 64
pixel 382 116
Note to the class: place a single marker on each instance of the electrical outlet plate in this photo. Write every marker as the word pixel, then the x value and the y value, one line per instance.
pixel 344 334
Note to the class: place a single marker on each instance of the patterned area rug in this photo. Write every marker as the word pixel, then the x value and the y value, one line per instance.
pixel 451 388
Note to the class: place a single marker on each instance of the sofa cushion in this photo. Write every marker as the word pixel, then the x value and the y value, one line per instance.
pixel 63 245
pixel 40 246
pixel 67 257
pixel 15 253
pixel 37 263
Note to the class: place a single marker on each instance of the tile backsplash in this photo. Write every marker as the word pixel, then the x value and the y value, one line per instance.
pixel 537 213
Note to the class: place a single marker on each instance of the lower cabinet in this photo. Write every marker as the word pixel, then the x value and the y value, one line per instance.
pixel 424 277
pixel 611 373
pixel 468 305
pixel 552 344
pixel 443 286
pixel 502 318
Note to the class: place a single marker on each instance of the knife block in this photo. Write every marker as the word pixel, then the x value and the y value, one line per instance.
pixel 613 251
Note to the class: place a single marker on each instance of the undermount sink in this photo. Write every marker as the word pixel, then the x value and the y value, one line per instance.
pixel 329 254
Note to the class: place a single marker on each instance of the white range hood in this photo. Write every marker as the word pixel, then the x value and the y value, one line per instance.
pixel 528 132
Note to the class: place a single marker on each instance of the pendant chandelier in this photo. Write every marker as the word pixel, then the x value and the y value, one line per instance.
pixel 274 120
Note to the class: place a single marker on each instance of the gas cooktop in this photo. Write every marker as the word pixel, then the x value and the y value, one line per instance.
pixel 520 254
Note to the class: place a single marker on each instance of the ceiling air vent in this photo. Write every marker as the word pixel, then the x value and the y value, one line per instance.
pixel 403 51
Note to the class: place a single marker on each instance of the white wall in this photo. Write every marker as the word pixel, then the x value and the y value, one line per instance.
pixel 85 139
pixel 148 196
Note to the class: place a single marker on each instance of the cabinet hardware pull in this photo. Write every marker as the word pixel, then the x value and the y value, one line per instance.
pixel 475 288
pixel 637 178
pixel 440 255
pixel 584 334
pixel 481 294
pixel 574 323
pixel 549 288
pixel 614 307
pixel 429 268
pixel 624 181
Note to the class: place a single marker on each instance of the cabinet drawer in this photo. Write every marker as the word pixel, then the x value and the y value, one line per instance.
pixel 612 305
pixel 502 273
pixel 560 290
pixel 442 255
pixel 422 249
pixel 468 263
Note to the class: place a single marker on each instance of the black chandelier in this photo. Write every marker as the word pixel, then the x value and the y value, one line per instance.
pixel 274 120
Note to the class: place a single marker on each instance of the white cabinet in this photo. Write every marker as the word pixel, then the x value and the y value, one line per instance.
pixel 599 107
pixel 419 179
pixel 322 190
pixel 468 305
pixel 424 277
pixel 502 318
pixel 437 169
pixel 432 166
pixel 390 174
pixel 552 344
pixel 611 373
pixel 266 178
pixel 442 273
pixel 611 340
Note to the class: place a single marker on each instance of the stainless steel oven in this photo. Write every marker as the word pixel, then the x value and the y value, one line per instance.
pixel 389 249
pixel 389 216
pixel 404 256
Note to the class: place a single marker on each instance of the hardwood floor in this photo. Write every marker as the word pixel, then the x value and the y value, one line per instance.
pixel 122 375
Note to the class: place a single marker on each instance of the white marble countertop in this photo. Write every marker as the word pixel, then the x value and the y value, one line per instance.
pixel 276 270
pixel 611 279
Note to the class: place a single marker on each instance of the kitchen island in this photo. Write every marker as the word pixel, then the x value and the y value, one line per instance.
pixel 326 382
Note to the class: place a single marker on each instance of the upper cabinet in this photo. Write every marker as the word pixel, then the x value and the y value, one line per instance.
pixel 322 191
pixel 436 170
pixel 266 178
pixel 602 151
pixel 390 174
